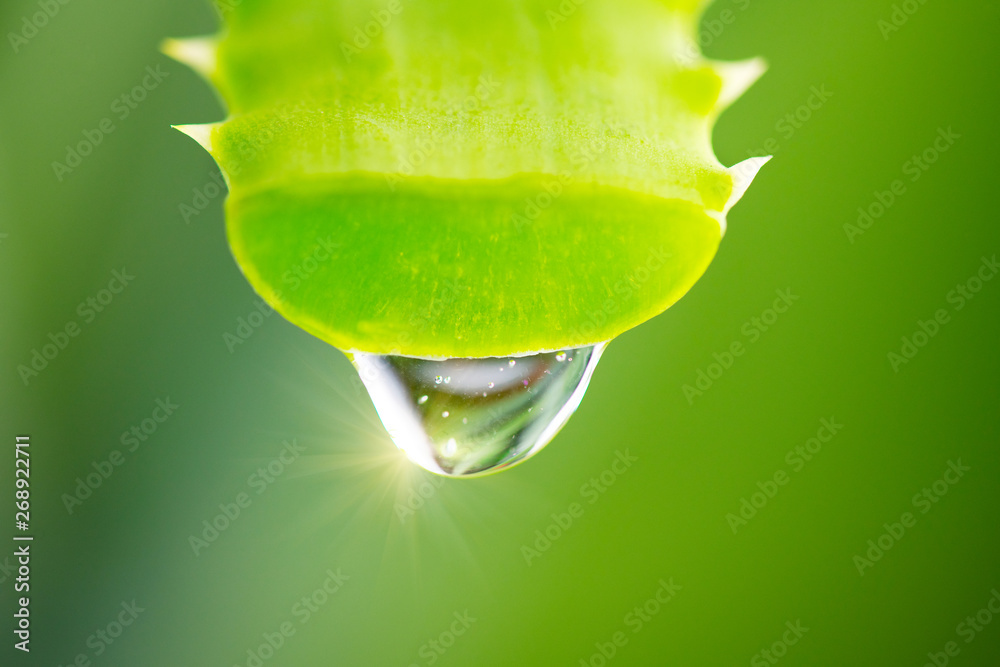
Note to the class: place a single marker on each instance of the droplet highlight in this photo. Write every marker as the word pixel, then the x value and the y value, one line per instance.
pixel 508 410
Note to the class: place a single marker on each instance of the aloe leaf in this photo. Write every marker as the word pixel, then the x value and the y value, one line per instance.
pixel 453 179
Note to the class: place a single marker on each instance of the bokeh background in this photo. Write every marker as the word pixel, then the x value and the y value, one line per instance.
pixel 337 506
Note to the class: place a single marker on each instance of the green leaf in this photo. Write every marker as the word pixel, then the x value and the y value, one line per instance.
pixel 452 179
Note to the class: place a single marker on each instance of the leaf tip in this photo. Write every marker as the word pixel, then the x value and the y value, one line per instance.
pixel 737 77
pixel 743 174
pixel 202 133
pixel 198 53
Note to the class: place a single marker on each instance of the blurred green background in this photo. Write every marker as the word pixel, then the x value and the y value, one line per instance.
pixel 336 506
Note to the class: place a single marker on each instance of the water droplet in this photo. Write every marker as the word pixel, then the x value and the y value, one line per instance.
pixel 524 409
pixel 561 356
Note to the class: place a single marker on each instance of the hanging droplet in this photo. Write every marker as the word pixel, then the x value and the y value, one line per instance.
pixel 505 418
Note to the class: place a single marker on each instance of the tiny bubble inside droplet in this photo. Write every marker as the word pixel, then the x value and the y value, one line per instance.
pixel 447 380
pixel 445 413
pixel 421 400
pixel 561 356
pixel 438 380
pixel 490 385
pixel 512 363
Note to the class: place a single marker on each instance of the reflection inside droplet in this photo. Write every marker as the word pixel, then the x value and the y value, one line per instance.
pixel 509 408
